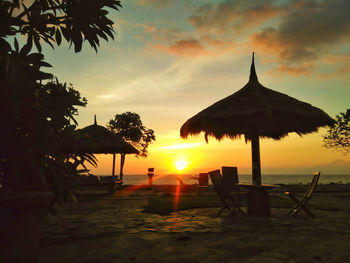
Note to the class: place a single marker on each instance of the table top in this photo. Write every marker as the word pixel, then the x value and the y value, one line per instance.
pixel 258 187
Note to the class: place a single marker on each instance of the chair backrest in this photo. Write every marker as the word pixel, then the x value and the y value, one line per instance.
pixel 312 185
pixel 203 179
pixel 216 179
pixel 229 175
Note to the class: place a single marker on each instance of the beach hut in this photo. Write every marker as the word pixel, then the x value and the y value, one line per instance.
pixel 256 112
pixel 98 139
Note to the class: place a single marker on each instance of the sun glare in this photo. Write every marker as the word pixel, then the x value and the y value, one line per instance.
pixel 180 165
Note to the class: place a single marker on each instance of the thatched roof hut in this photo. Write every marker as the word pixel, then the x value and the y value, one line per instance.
pixel 256 111
pixel 98 139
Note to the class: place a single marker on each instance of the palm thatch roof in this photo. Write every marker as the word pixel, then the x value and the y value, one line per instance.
pixel 98 139
pixel 256 110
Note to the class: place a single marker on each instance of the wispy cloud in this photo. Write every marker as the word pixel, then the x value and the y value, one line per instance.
pixel 305 69
pixel 306 33
pixel 159 4
pixel 295 34
pixel 156 89
pixel 185 47
pixel 232 16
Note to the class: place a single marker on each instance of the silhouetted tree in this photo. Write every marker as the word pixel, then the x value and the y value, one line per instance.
pixel 58 104
pixel 52 20
pixel 130 127
pixel 338 135
pixel 38 113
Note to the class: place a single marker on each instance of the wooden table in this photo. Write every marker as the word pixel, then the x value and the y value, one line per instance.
pixel 258 201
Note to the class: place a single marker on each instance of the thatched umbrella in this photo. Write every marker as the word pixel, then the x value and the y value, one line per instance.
pixel 98 139
pixel 257 112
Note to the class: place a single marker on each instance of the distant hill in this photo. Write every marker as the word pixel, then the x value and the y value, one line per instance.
pixel 337 166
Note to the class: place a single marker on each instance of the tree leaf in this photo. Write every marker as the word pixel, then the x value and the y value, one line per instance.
pixel 58 36
pixel 35 57
pixel 4 44
pixel 16 45
pixel 77 40
pixel 37 43
pixel 25 50
pixel 44 64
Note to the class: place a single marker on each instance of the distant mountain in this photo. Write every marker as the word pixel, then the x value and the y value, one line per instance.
pixel 339 163
pixel 337 166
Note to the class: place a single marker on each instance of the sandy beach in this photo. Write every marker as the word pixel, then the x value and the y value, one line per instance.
pixel 115 228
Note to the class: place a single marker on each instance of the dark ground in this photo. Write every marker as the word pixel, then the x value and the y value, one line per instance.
pixel 114 228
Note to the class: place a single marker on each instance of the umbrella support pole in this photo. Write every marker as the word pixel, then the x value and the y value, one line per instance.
pixel 113 169
pixel 256 169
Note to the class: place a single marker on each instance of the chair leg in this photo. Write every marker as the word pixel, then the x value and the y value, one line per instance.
pixel 294 211
pixel 241 211
pixel 237 210
pixel 222 209
pixel 299 205
pixel 224 206
pixel 236 204
pixel 233 204
pixel 306 209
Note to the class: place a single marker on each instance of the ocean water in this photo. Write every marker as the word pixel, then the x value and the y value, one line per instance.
pixel 243 178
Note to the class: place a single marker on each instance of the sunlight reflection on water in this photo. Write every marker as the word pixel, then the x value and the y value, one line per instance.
pixel 243 178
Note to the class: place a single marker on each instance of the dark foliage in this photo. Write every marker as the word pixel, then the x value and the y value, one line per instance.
pixel 37 112
pixel 338 135
pixel 130 127
pixel 53 20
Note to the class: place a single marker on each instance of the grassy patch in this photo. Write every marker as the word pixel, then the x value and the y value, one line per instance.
pixel 166 204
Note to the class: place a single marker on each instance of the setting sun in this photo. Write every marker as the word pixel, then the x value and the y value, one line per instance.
pixel 180 165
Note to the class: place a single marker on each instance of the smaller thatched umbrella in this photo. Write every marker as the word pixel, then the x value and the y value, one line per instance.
pixel 256 112
pixel 98 139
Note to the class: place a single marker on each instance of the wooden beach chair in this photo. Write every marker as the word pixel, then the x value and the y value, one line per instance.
pixel 230 180
pixel 301 204
pixel 230 175
pixel 226 193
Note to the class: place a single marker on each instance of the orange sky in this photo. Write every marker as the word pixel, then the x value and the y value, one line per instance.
pixel 293 154
pixel 171 59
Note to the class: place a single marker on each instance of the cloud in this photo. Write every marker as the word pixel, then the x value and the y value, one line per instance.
pixel 187 47
pixel 338 65
pixel 158 4
pixel 305 69
pixel 213 24
pixel 292 34
pixel 308 32
pixel 146 28
pixel 295 34
pixel 232 16
pixel 345 69
pixel 173 41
